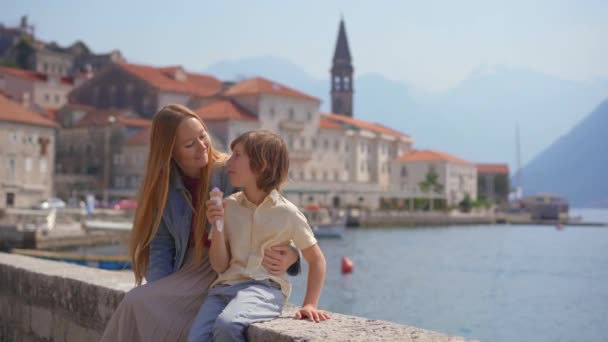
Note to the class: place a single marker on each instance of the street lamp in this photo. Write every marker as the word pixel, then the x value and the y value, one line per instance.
pixel 106 159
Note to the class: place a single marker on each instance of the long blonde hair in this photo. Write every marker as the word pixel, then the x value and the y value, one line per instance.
pixel 155 187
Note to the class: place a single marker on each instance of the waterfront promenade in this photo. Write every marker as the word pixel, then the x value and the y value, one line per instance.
pixel 42 300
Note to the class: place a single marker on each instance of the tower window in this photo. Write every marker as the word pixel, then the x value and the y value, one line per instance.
pixel 337 82
pixel 346 83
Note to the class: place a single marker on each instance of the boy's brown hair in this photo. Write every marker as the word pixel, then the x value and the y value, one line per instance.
pixel 268 157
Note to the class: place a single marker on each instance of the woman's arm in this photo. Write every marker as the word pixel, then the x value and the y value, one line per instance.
pixel 219 256
pixel 316 276
pixel 162 251
pixel 281 259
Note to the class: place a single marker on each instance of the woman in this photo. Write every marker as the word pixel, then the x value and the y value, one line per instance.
pixel 169 239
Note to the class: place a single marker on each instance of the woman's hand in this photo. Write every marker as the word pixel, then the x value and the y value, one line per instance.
pixel 214 211
pixel 312 313
pixel 277 259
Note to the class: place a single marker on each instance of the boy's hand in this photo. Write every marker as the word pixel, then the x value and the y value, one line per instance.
pixel 312 313
pixel 214 211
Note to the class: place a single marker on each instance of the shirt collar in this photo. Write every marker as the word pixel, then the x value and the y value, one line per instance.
pixel 273 197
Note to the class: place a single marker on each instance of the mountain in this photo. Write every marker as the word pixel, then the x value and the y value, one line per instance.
pixel 475 119
pixel 575 166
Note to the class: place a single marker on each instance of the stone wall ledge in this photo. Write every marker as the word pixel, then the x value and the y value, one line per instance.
pixel 42 300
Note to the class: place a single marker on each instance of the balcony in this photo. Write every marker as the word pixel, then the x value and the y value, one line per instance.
pixel 300 155
pixel 292 125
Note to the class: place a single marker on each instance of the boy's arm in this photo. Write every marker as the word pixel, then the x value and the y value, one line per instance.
pixel 316 276
pixel 219 255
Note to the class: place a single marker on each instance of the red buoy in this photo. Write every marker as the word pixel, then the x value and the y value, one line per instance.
pixel 347 265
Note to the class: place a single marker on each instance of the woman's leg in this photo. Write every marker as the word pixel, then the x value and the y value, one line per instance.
pixel 162 310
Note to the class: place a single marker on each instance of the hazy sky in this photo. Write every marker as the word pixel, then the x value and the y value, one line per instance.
pixel 428 44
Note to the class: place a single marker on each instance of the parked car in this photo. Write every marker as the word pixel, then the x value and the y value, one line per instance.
pixel 50 203
pixel 125 204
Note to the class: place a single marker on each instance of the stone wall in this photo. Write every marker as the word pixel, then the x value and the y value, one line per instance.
pixel 43 300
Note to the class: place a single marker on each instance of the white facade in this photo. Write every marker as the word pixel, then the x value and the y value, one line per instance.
pixel 456 179
pixel 331 166
pixel 26 166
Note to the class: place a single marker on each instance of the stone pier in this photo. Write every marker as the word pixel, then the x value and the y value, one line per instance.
pixel 43 300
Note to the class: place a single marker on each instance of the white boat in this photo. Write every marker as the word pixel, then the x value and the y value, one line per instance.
pixel 322 223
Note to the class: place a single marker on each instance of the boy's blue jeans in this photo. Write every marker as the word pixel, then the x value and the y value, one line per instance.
pixel 230 309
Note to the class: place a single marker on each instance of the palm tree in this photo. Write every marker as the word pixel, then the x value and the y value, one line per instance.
pixel 431 183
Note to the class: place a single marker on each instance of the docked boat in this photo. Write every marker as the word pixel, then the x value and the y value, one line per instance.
pixel 323 224
pixel 106 262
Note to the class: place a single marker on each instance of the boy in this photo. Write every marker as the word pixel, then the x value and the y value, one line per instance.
pixel 258 217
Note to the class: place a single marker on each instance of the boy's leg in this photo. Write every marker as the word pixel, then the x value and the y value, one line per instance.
pixel 256 301
pixel 202 326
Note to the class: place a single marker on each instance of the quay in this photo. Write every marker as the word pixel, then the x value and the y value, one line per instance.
pixel 42 300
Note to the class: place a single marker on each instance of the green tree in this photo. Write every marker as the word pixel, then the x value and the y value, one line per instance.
pixel 466 204
pixel 431 184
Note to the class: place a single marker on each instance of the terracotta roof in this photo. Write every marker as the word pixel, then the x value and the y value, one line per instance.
pixel 142 137
pixel 371 126
pixel 102 118
pixel 260 85
pixel 131 122
pixel 52 114
pixel 428 155
pixel 329 124
pixel 493 168
pixel 12 111
pixel 224 110
pixel 78 106
pixel 32 75
pixel 163 78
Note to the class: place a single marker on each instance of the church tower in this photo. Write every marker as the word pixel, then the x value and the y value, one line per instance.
pixel 342 76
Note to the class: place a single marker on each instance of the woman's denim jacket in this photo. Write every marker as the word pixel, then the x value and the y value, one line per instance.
pixel 168 247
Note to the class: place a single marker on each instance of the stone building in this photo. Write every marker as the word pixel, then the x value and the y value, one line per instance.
pixel 144 89
pixel 27 153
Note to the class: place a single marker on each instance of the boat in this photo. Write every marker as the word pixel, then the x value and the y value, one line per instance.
pixel 106 262
pixel 322 223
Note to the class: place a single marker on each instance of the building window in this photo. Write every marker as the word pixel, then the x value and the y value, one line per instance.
pixel 11 169
pixel 57 98
pixel 272 112
pixel 13 137
pixel 336 175
pixel 47 97
pixel 345 147
pixel 28 165
pixel 337 82
pixel 291 114
pixel 42 166
pixel 324 175
pixel 46 67
pixel 313 142
pixel 403 171
pixel 337 145
pixel 309 116
pixel 290 141
pixel 302 142
pixel 302 175
pixel 313 174
pixel 325 144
